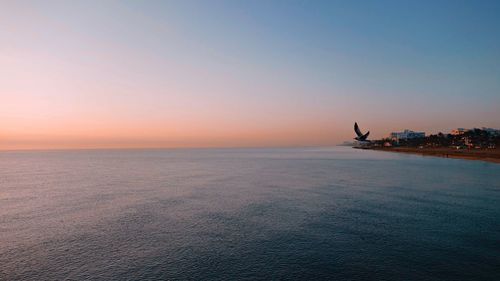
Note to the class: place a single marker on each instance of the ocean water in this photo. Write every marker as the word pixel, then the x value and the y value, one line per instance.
pixel 247 214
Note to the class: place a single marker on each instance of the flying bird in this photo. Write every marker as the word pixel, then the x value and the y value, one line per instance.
pixel 361 136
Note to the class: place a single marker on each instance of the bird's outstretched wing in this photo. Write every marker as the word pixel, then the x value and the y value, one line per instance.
pixel 357 130
pixel 365 136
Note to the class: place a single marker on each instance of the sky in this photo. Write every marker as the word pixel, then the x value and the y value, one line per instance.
pixel 114 74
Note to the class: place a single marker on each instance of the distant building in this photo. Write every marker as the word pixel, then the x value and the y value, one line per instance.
pixel 459 131
pixel 406 134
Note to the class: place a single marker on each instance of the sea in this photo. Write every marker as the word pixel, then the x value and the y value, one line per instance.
pixel 332 213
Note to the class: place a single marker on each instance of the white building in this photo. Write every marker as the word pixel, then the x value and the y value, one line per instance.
pixel 406 134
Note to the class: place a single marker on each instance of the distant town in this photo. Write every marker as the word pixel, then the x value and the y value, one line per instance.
pixel 460 138
pixel 475 144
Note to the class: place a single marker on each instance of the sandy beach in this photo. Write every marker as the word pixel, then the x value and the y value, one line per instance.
pixel 489 155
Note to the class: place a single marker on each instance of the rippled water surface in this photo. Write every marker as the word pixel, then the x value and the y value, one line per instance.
pixel 233 214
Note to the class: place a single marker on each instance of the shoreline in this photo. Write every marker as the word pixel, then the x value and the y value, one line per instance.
pixel 492 155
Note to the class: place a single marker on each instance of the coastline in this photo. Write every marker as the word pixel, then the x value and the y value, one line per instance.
pixel 492 155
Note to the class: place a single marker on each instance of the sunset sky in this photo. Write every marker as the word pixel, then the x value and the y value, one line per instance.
pixel 90 74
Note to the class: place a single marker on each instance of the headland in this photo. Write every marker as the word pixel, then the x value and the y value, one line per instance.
pixel 473 144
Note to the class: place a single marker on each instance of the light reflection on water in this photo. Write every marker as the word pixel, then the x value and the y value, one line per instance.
pixel 227 214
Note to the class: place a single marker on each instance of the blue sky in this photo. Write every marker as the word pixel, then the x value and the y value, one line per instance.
pixel 267 66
